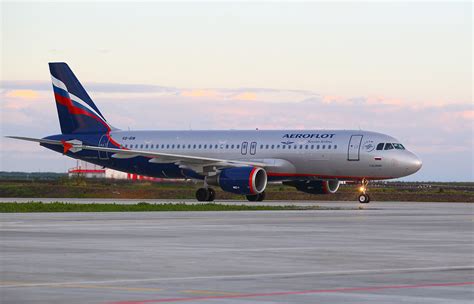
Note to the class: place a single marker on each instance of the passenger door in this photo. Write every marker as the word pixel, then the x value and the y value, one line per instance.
pixel 353 151
pixel 243 150
pixel 253 148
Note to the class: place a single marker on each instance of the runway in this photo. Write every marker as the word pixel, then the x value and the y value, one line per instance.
pixel 386 253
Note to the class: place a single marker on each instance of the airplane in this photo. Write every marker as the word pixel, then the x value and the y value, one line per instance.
pixel 240 162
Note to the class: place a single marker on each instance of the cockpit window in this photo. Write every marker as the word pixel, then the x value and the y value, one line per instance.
pixel 388 146
pixel 399 146
pixel 380 146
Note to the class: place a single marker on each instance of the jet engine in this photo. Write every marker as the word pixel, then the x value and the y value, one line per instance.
pixel 315 187
pixel 241 180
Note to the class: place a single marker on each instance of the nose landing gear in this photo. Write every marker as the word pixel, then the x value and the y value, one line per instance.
pixel 364 198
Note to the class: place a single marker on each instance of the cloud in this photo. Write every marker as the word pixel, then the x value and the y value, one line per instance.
pixel 200 93
pixel 435 131
pixel 23 94
pixel 250 96
pixel 98 87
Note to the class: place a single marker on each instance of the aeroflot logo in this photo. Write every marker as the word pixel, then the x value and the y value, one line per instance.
pixel 300 135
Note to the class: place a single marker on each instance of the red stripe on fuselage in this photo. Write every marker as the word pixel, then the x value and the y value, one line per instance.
pixel 282 174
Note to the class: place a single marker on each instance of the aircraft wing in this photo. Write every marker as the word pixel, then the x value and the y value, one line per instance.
pixel 202 165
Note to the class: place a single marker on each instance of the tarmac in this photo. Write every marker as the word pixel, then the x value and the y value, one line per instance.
pixel 387 252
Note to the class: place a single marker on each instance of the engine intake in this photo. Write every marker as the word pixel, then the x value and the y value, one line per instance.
pixel 315 187
pixel 242 180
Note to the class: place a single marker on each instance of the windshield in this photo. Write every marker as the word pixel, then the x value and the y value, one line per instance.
pixel 390 146
pixel 399 146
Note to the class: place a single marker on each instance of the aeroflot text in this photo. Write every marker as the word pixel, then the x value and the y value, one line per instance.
pixel 299 135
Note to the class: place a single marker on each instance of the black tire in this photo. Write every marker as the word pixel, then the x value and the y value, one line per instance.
pixel 202 195
pixel 212 195
pixel 261 197
pixel 364 198
pixel 252 198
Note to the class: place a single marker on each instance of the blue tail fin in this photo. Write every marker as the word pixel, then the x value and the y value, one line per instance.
pixel 76 110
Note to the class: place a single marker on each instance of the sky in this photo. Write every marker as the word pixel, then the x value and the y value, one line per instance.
pixel 400 68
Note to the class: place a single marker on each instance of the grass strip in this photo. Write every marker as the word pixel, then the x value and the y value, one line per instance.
pixel 141 207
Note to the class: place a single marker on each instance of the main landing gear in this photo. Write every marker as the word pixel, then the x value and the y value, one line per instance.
pixel 205 194
pixel 209 195
pixel 364 198
pixel 256 197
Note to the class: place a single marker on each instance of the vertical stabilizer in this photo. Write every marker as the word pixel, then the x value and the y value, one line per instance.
pixel 76 110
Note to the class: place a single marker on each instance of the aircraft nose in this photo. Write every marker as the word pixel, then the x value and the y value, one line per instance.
pixel 414 163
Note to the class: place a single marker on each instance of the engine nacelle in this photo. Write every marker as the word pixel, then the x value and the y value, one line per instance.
pixel 315 187
pixel 242 180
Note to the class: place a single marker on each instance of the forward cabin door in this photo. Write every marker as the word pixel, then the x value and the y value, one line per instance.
pixel 243 150
pixel 103 142
pixel 253 148
pixel 353 151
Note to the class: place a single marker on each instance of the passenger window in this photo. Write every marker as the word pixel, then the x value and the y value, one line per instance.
pixel 238 147
pixel 329 146
pixel 295 147
pixel 324 147
pixel 232 146
pixel 178 146
pixel 194 146
pixel 199 146
pixel 278 146
pixel 380 146
pixel 227 146
pixel 273 147
pixel 306 147
pixel 266 146
pixel 261 147
pixel 335 147
pixel 146 146
pixel 216 146
pixel 283 147
pixel 388 146
pixel 167 146
pixel 317 147
pixel 289 147
pixel 312 147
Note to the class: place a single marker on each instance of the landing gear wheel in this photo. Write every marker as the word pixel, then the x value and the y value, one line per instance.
pixel 212 195
pixel 256 197
pixel 252 198
pixel 202 195
pixel 364 198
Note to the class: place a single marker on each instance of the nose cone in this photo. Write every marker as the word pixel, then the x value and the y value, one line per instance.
pixel 412 163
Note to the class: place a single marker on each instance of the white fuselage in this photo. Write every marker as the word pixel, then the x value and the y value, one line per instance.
pixel 337 154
